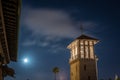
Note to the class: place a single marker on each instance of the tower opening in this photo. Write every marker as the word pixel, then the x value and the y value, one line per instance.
pixel 88 77
pixel 84 67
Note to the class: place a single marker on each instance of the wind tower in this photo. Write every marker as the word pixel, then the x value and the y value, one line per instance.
pixel 83 61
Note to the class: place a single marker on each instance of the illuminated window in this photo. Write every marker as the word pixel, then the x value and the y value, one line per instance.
pixel 90 43
pixel 86 42
pixel 73 55
pixel 95 42
pixel 82 47
pixel 82 52
pixel 91 52
pixel 86 52
pixel 81 42
pixel 76 52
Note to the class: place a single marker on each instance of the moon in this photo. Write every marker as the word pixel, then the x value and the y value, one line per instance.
pixel 25 60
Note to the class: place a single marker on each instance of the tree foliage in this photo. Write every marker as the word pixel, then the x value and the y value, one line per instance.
pixel 7 71
pixel 55 70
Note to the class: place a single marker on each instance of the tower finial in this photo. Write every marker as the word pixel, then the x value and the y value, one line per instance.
pixel 81 28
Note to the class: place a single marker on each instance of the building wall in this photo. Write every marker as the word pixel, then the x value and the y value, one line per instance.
pixel 0 62
pixel 0 71
pixel 83 70
pixel 88 70
pixel 75 70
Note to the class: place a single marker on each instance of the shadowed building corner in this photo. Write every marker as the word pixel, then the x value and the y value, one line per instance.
pixel 9 27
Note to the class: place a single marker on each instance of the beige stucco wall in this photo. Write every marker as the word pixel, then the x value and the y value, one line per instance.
pixel 77 71
pixel 90 71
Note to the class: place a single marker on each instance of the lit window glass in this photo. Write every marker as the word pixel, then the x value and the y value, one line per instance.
pixel 91 52
pixel 81 42
pixel 82 52
pixel 76 51
pixel 95 42
pixel 86 42
pixel 86 51
pixel 90 42
pixel 73 54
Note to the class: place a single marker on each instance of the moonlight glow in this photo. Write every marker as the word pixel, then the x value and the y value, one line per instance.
pixel 25 60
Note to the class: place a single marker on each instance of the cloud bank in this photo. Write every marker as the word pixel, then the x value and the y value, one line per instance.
pixel 52 24
pixel 49 22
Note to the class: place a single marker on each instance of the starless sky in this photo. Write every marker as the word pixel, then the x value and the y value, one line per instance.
pixel 48 26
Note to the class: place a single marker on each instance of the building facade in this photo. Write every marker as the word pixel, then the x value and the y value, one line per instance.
pixel 9 26
pixel 83 61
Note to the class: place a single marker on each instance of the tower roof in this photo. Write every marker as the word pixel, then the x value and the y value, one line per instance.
pixel 86 37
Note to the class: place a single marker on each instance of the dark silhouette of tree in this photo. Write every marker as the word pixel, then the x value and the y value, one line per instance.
pixel 55 71
pixel 7 71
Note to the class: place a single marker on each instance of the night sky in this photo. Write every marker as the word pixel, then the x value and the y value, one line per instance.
pixel 48 26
